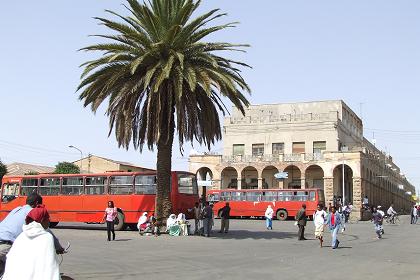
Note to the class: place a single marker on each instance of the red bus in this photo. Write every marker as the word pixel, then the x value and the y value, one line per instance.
pixel 84 197
pixel 253 203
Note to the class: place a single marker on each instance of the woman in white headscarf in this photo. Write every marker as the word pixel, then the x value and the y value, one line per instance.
pixel 142 223
pixel 172 226
pixel 182 222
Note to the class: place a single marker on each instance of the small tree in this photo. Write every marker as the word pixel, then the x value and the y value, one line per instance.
pixel 3 170
pixel 31 172
pixel 66 168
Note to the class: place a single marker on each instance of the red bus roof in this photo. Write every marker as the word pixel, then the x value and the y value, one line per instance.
pixel 260 190
pixel 104 174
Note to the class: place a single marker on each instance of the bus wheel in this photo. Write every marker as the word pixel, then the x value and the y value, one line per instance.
pixel 120 225
pixel 53 224
pixel 282 215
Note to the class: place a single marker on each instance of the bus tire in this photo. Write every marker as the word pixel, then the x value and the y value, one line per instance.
pixel 282 215
pixel 53 224
pixel 121 224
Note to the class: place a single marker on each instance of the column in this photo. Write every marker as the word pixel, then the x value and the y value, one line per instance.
pixel 357 198
pixel 260 183
pixel 239 183
pixel 328 190
pixel 303 183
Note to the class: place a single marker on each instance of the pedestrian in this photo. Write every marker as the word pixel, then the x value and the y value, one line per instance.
pixel 301 222
pixel 110 217
pixel 379 209
pixel 33 256
pixel 414 214
pixel 320 217
pixel 329 207
pixel 334 223
pixel 207 215
pixel 11 228
pixel 377 221
pixel 365 203
pixel 269 217
pixel 197 215
pixel 224 216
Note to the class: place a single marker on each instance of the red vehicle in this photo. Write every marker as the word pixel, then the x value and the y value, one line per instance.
pixel 253 203
pixel 84 197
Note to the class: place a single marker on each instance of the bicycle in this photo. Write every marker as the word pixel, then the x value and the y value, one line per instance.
pixel 392 219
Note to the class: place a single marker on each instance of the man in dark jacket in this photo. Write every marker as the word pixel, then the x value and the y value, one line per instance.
pixel 225 216
pixel 301 221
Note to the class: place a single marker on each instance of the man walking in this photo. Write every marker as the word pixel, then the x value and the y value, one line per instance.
pixel 225 216
pixel 301 221
pixel 377 221
pixel 414 215
pixel 334 223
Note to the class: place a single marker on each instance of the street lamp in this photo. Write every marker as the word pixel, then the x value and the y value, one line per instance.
pixel 81 155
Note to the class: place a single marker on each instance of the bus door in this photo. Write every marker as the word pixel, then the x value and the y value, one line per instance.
pixel 9 194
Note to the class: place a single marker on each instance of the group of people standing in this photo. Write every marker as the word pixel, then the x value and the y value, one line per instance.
pixel 204 219
pixel 333 220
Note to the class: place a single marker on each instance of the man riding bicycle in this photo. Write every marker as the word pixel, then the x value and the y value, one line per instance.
pixel 392 213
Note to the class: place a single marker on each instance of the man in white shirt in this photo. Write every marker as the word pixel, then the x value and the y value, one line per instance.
pixel 320 217
pixel 414 214
pixel 391 212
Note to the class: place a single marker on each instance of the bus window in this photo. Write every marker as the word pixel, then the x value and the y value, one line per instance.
pixel 321 197
pixel 145 184
pixel 29 186
pixel 187 184
pixel 225 196
pixel 10 192
pixel 312 196
pixel 72 186
pixel 238 196
pixel 95 185
pixel 213 197
pixel 285 196
pixel 270 196
pixel 121 185
pixel 301 196
pixel 49 186
pixel 254 196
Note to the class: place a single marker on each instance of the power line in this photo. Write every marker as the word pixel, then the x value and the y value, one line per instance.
pixel 35 148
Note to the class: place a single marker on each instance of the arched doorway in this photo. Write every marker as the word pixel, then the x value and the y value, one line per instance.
pixel 294 181
pixel 348 183
pixel 229 178
pixel 268 179
pixel 249 178
pixel 314 176
pixel 204 179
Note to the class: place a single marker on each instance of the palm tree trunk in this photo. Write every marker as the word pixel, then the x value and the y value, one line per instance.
pixel 163 205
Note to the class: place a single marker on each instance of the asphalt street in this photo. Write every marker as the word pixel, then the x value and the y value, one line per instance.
pixel 248 251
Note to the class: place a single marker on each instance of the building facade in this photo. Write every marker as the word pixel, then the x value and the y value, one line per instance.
pixel 319 145
pixel 96 164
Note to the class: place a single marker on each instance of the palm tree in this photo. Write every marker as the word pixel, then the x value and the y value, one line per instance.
pixel 3 170
pixel 159 77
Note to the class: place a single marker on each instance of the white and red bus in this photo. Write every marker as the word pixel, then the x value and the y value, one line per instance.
pixel 253 203
pixel 84 197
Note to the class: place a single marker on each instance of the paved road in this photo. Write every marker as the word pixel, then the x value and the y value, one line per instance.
pixel 247 252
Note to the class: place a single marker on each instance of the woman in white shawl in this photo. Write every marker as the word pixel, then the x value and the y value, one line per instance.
pixel 182 222
pixel 142 223
pixel 172 226
pixel 33 256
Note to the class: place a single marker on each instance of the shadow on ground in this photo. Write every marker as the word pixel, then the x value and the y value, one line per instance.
pixel 257 235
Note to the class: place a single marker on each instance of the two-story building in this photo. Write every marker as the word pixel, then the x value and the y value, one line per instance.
pixel 318 144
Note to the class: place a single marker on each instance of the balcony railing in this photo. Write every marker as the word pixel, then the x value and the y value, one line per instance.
pixel 273 158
